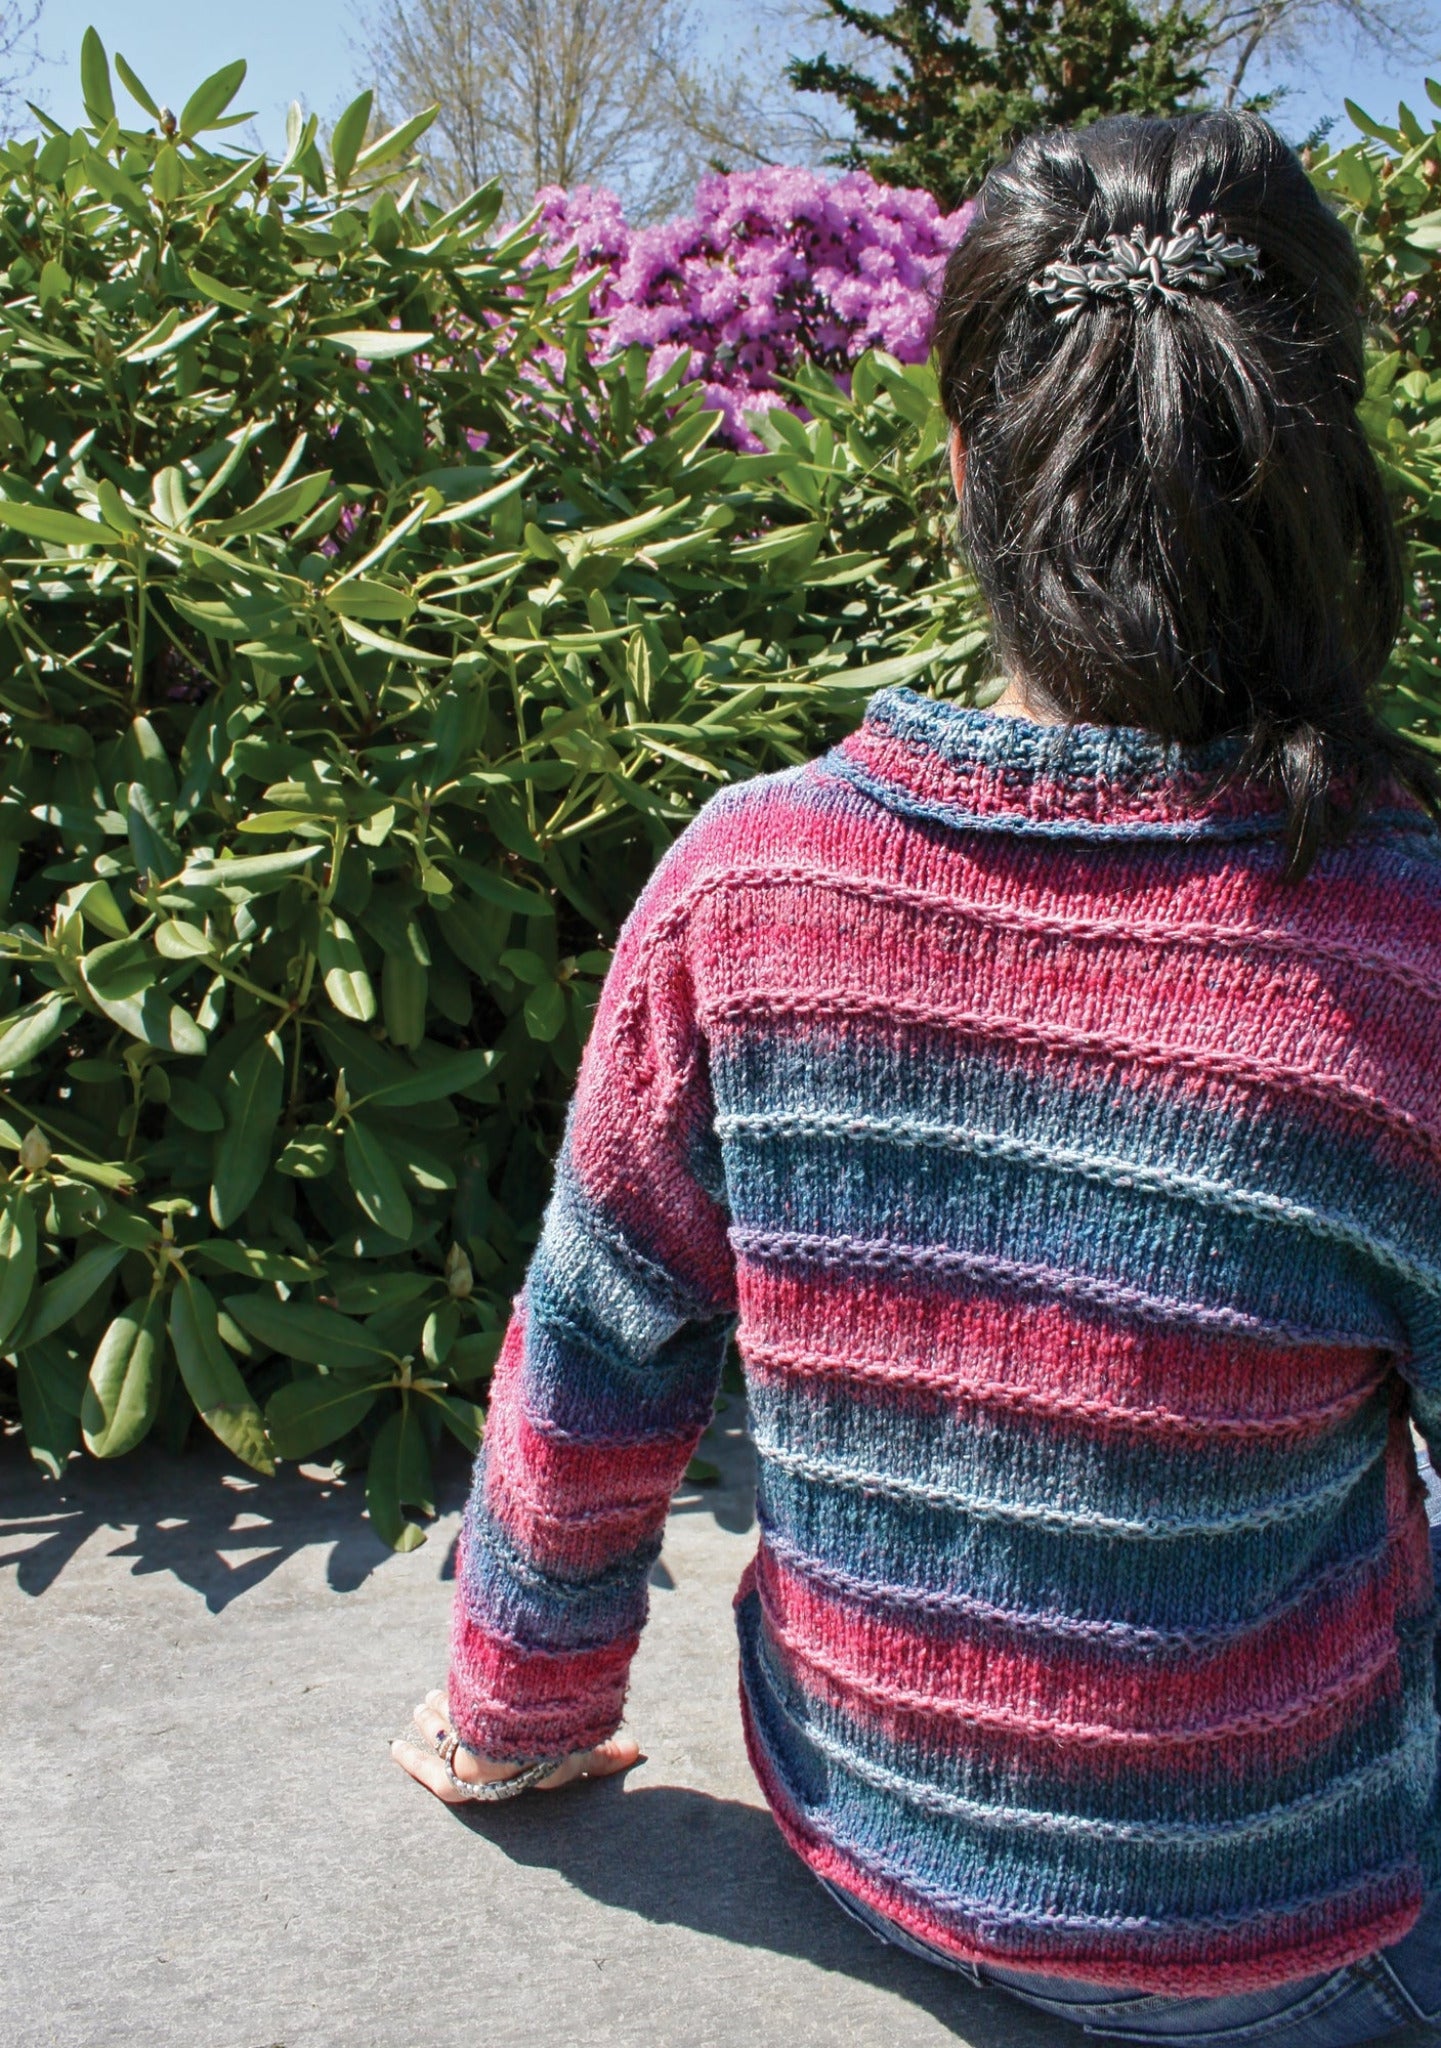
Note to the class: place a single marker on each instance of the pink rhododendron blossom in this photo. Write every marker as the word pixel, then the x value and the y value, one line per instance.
pixel 771 268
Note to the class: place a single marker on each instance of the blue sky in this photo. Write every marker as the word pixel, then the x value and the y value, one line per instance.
pixel 303 49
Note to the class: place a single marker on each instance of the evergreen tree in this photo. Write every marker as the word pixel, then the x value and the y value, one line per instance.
pixel 955 101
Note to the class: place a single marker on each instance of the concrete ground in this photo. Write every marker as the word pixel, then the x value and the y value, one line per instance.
pixel 203 1843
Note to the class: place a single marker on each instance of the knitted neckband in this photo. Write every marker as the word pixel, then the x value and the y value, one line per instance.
pixel 931 758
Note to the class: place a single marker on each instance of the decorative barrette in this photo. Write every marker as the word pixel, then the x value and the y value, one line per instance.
pixel 1160 270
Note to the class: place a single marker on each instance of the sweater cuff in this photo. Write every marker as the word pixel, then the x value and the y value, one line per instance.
pixel 512 1704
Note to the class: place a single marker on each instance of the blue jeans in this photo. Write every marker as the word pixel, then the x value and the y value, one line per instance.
pixel 1395 1988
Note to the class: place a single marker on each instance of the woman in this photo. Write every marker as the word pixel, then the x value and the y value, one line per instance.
pixel 1048 1098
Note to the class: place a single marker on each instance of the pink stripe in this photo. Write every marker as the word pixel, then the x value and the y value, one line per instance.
pixel 943 1342
pixel 1339 1645
pixel 542 1489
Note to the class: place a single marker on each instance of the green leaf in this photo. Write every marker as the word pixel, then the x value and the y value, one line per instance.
pixel 399 1476
pixel 95 87
pixel 309 1414
pixel 255 871
pixel 251 1102
pixel 167 180
pixel 380 346
pixel 212 1378
pixel 464 1420
pixel 168 337
pixel 444 1077
pixel 544 1010
pixel 177 940
pixel 252 1261
pixel 149 1016
pixel 303 1331
pixel 17 1258
pixel 309 1155
pixel 194 1106
pixel 362 597
pixel 396 142
pixel 404 985
pixel 64 1296
pixel 25 1034
pixel 209 100
pixel 60 529
pixel 122 1392
pixel 343 970
pixel 52 1429
pixel 285 507
pixel 226 294
pixel 375 1183
pixel 347 136
pixel 154 850
pixel 135 89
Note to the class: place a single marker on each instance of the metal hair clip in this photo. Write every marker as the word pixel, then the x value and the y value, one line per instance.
pixel 1195 257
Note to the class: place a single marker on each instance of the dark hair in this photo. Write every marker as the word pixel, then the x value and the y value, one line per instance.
pixel 1170 507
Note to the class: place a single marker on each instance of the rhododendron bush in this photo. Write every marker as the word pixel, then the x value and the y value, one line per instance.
pixel 366 637
pixel 770 269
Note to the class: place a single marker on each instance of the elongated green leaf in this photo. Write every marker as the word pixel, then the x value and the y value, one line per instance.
pixel 361 597
pixel 309 1155
pixel 174 337
pixel 212 1378
pixel 95 87
pixel 284 507
pixel 398 1476
pixel 226 294
pixel 48 523
pixel 52 1429
pixel 252 1260
pixel 26 1033
pixel 396 141
pixel 437 1080
pixel 65 1295
pixel 381 643
pixel 309 1414
pixel 404 985
pixel 194 1106
pixel 210 99
pixel 135 89
pixel 150 1017
pixel 301 1330
pixel 375 1181
pixel 155 851
pixel 17 1259
pixel 342 968
pixel 251 1102
pixel 122 1393
pixel 464 1420
pixel 347 136
pixel 381 346
pixel 249 870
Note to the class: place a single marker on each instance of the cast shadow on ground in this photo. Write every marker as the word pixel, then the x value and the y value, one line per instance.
pixel 201 1517
pixel 681 1858
pixel 222 1531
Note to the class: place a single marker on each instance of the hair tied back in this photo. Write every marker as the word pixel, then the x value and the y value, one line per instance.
pixel 1160 270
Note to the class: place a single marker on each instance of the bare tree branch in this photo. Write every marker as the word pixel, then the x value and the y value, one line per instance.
pixel 543 92
pixel 19 52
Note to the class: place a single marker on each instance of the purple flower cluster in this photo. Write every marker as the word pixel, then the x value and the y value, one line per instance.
pixel 771 267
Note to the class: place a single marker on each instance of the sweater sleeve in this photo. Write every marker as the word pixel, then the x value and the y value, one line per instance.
pixel 608 1372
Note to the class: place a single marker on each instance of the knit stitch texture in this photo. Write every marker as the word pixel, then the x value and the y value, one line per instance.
pixel 1072 1187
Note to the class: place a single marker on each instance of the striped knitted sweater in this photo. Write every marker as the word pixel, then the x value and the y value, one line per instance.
pixel 1073 1189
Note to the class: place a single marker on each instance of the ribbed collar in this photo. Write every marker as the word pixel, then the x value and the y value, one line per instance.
pixel 949 762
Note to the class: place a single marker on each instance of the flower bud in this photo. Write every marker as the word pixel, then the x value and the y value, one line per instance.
pixel 34 1151
pixel 459 1277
